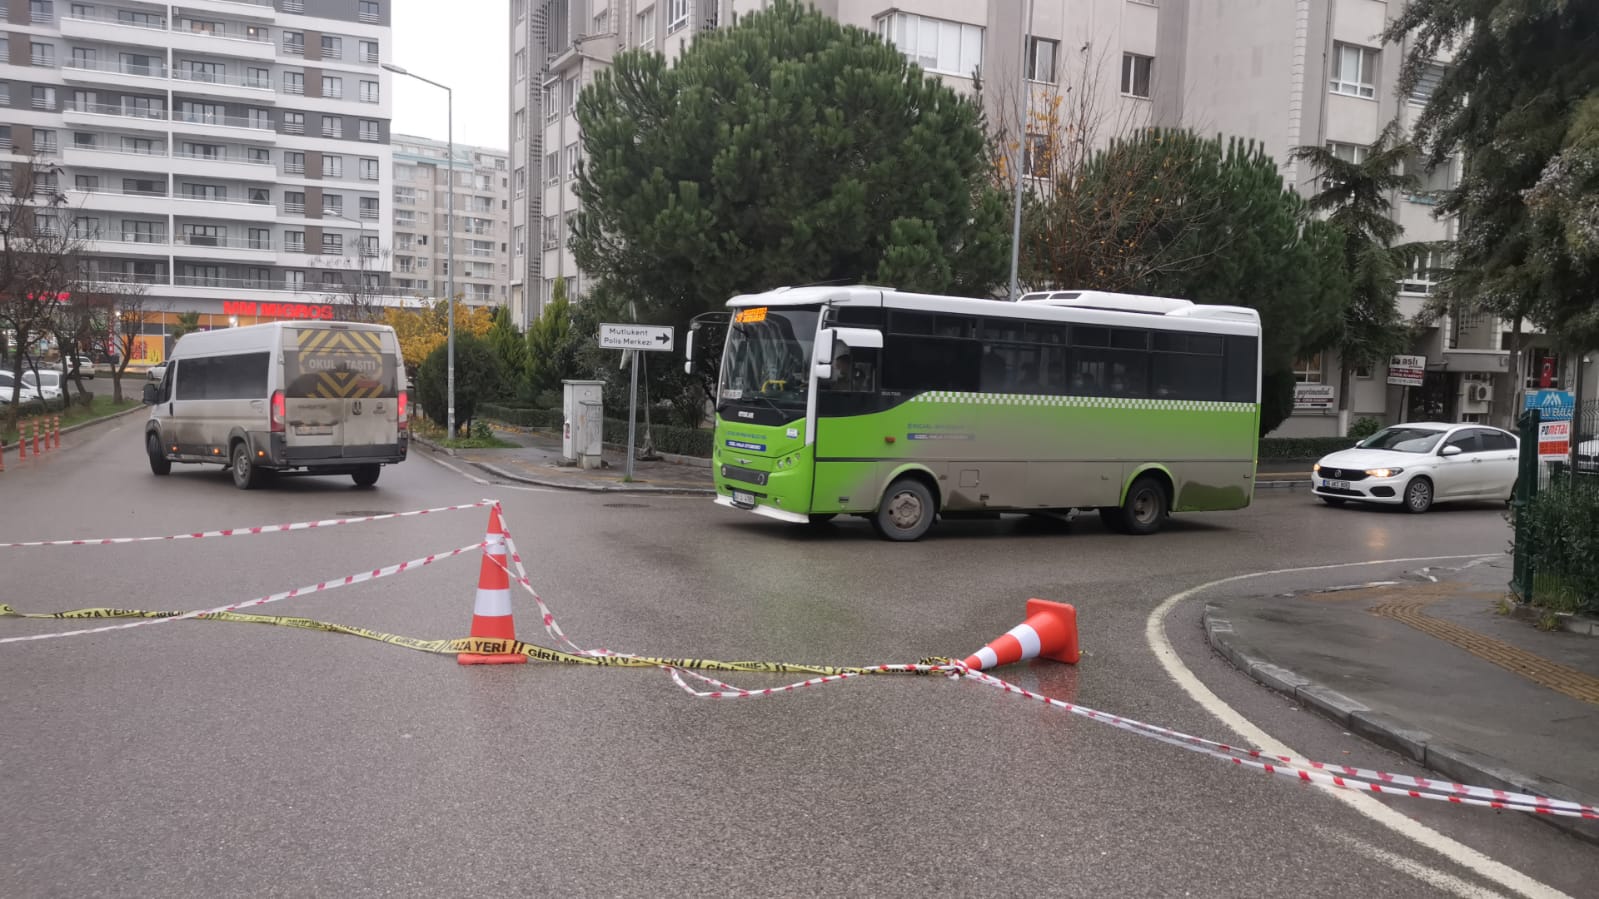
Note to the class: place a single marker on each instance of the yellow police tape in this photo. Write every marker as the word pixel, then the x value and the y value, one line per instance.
pixel 478 645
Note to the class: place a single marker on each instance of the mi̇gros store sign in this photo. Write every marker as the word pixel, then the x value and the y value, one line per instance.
pixel 322 311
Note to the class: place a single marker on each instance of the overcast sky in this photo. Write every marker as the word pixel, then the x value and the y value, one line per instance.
pixel 460 43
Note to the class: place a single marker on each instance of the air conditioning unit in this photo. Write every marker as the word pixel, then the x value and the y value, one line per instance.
pixel 1479 392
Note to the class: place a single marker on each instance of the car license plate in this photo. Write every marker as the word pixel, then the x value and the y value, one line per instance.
pixel 1335 485
pixel 743 499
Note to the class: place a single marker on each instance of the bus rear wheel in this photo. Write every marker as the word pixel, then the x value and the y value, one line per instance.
pixel 1144 510
pixel 906 512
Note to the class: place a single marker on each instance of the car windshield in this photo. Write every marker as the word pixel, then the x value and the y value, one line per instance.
pixel 50 378
pixel 769 356
pixel 1404 440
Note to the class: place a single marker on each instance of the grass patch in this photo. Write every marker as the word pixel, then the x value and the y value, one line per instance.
pixel 100 407
pixel 476 443
pixel 482 436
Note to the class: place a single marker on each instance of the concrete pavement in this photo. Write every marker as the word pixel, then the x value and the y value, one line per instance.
pixel 1429 664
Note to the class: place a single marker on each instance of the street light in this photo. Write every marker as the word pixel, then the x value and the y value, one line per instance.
pixel 449 241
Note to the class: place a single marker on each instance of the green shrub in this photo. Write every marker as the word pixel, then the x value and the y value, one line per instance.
pixel 1561 528
pixel 1364 427
pixel 1302 448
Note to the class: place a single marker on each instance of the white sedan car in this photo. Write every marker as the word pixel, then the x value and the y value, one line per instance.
pixel 1418 464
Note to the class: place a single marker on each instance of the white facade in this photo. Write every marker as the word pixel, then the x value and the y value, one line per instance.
pixel 482 254
pixel 222 151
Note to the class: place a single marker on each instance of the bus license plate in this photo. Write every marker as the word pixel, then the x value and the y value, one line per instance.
pixel 1335 485
pixel 743 499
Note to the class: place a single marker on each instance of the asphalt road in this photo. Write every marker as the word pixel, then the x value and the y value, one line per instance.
pixel 209 758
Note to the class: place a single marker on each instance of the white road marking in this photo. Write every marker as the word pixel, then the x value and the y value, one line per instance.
pixel 1457 852
pixel 484 482
pixel 1430 876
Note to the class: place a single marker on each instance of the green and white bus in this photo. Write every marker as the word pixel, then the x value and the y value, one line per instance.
pixel 903 407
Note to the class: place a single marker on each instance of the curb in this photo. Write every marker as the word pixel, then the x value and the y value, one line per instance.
pixel 1571 623
pixel 84 424
pixel 561 484
pixel 1459 764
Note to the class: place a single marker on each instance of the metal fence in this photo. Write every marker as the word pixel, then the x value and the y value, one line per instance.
pixel 1555 513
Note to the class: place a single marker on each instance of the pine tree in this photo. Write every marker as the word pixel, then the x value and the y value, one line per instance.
pixel 786 149
pixel 1509 101
pixel 1354 197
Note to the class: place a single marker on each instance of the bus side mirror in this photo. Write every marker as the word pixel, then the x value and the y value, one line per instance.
pixel 822 353
pixel 688 353
pixel 149 394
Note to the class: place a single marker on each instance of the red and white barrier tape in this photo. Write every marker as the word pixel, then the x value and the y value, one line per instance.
pixel 361 578
pixel 249 531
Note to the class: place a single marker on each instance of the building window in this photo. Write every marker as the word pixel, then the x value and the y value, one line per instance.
pixel 294 83
pixel 1537 359
pixel 646 29
pixel 333 244
pixel 1354 71
pixel 87 183
pixel 1036 162
pixel 294 43
pixel 369 169
pixel 333 126
pixel 1421 275
pixel 552 237
pixel 520 181
pixel 44 98
pixel 258 155
pixel 552 167
pixel 569 91
pixel 294 123
pixel 519 239
pixel 1041 59
pixel 370 131
pixel 1136 72
pixel 949 48
pixel 676 15
pixel 1307 370
pixel 521 124
pixel 254 77
pixel 294 242
pixel 369 92
pixel 294 202
pixel 369 208
pixel 572 156
pixel 332 88
pixel 86 228
pixel 332 46
pixel 369 12
pixel 44 141
pixel 260 238
pixel 568 226
pixel 1351 153
pixel 44 55
pixel 369 52
pixel 1430 183
pixel 143 232
pixel 1426 83
pixel 294 163
pixel 519 65
pixel 332 166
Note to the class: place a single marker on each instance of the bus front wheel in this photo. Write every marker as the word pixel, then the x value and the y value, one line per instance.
pixel 906 512
pixel 1144 510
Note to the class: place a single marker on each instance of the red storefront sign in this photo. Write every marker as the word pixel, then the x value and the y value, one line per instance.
pixel 322 311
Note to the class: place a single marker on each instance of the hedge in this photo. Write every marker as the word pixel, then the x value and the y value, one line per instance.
pixel 668 438
pixel 1561 529
pixel 1302 448
pixel 697 442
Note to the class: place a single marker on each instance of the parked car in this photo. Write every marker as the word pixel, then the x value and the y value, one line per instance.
pixel 8 384
pixel 47 382
pixel 1416 465
pixel 84 364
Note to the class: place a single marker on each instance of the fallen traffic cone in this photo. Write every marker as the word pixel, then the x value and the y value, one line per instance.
pixel 1050 632
pixel 491 613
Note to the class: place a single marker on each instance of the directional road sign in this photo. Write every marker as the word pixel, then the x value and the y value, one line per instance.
pixel 636 337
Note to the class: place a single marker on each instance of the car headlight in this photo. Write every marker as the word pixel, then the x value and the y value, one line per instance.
pixel 1383 472
pixel 1316 467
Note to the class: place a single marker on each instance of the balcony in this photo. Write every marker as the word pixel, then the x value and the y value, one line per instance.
pixel 294 6
pixel 233 87
pixel 224 166
pixel 123 27
pixel 154 161
pixel 129 244
pixel 248 9
pixel 232 210
pixel 249 41
pixel 129 117
pixel 138 202
pixel 294 209
pixel 202 246
pixel 82 71
pixel 239 127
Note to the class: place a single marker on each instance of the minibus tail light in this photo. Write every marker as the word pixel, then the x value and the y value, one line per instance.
pixel 279 412
pixel 404 409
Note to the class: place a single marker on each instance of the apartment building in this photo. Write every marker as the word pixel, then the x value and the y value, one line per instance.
pixel 1286 73
pixel 422 256
pixel 232 155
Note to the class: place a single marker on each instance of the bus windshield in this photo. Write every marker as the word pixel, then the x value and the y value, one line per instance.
pixel 769 356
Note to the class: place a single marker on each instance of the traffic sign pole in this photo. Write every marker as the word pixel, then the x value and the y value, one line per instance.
pixel 632 411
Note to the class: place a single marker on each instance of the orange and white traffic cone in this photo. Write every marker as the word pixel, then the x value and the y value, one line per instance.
pixel 1050 632
pixel 55 431
pixel 36 436
pixel 491 613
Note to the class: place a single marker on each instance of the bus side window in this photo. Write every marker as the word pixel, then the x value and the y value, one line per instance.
pixel 854 370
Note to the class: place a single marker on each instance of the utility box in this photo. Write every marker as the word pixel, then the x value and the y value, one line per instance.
pixel 583 430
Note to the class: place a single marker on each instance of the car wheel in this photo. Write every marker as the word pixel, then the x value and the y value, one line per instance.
pixel 245 475
pixel 159 463
pixel 1418 495
pixel 1333 500
pixel 906 511
pixel 1144 510
pixel 366 475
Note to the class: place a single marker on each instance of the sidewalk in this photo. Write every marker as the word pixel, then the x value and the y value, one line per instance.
pixel 1430 669
pixel 537 456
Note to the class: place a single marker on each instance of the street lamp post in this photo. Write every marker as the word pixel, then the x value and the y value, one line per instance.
pixel 449 241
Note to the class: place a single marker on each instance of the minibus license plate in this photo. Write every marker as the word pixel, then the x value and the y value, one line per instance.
pixel 743 499
pixel 313 430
